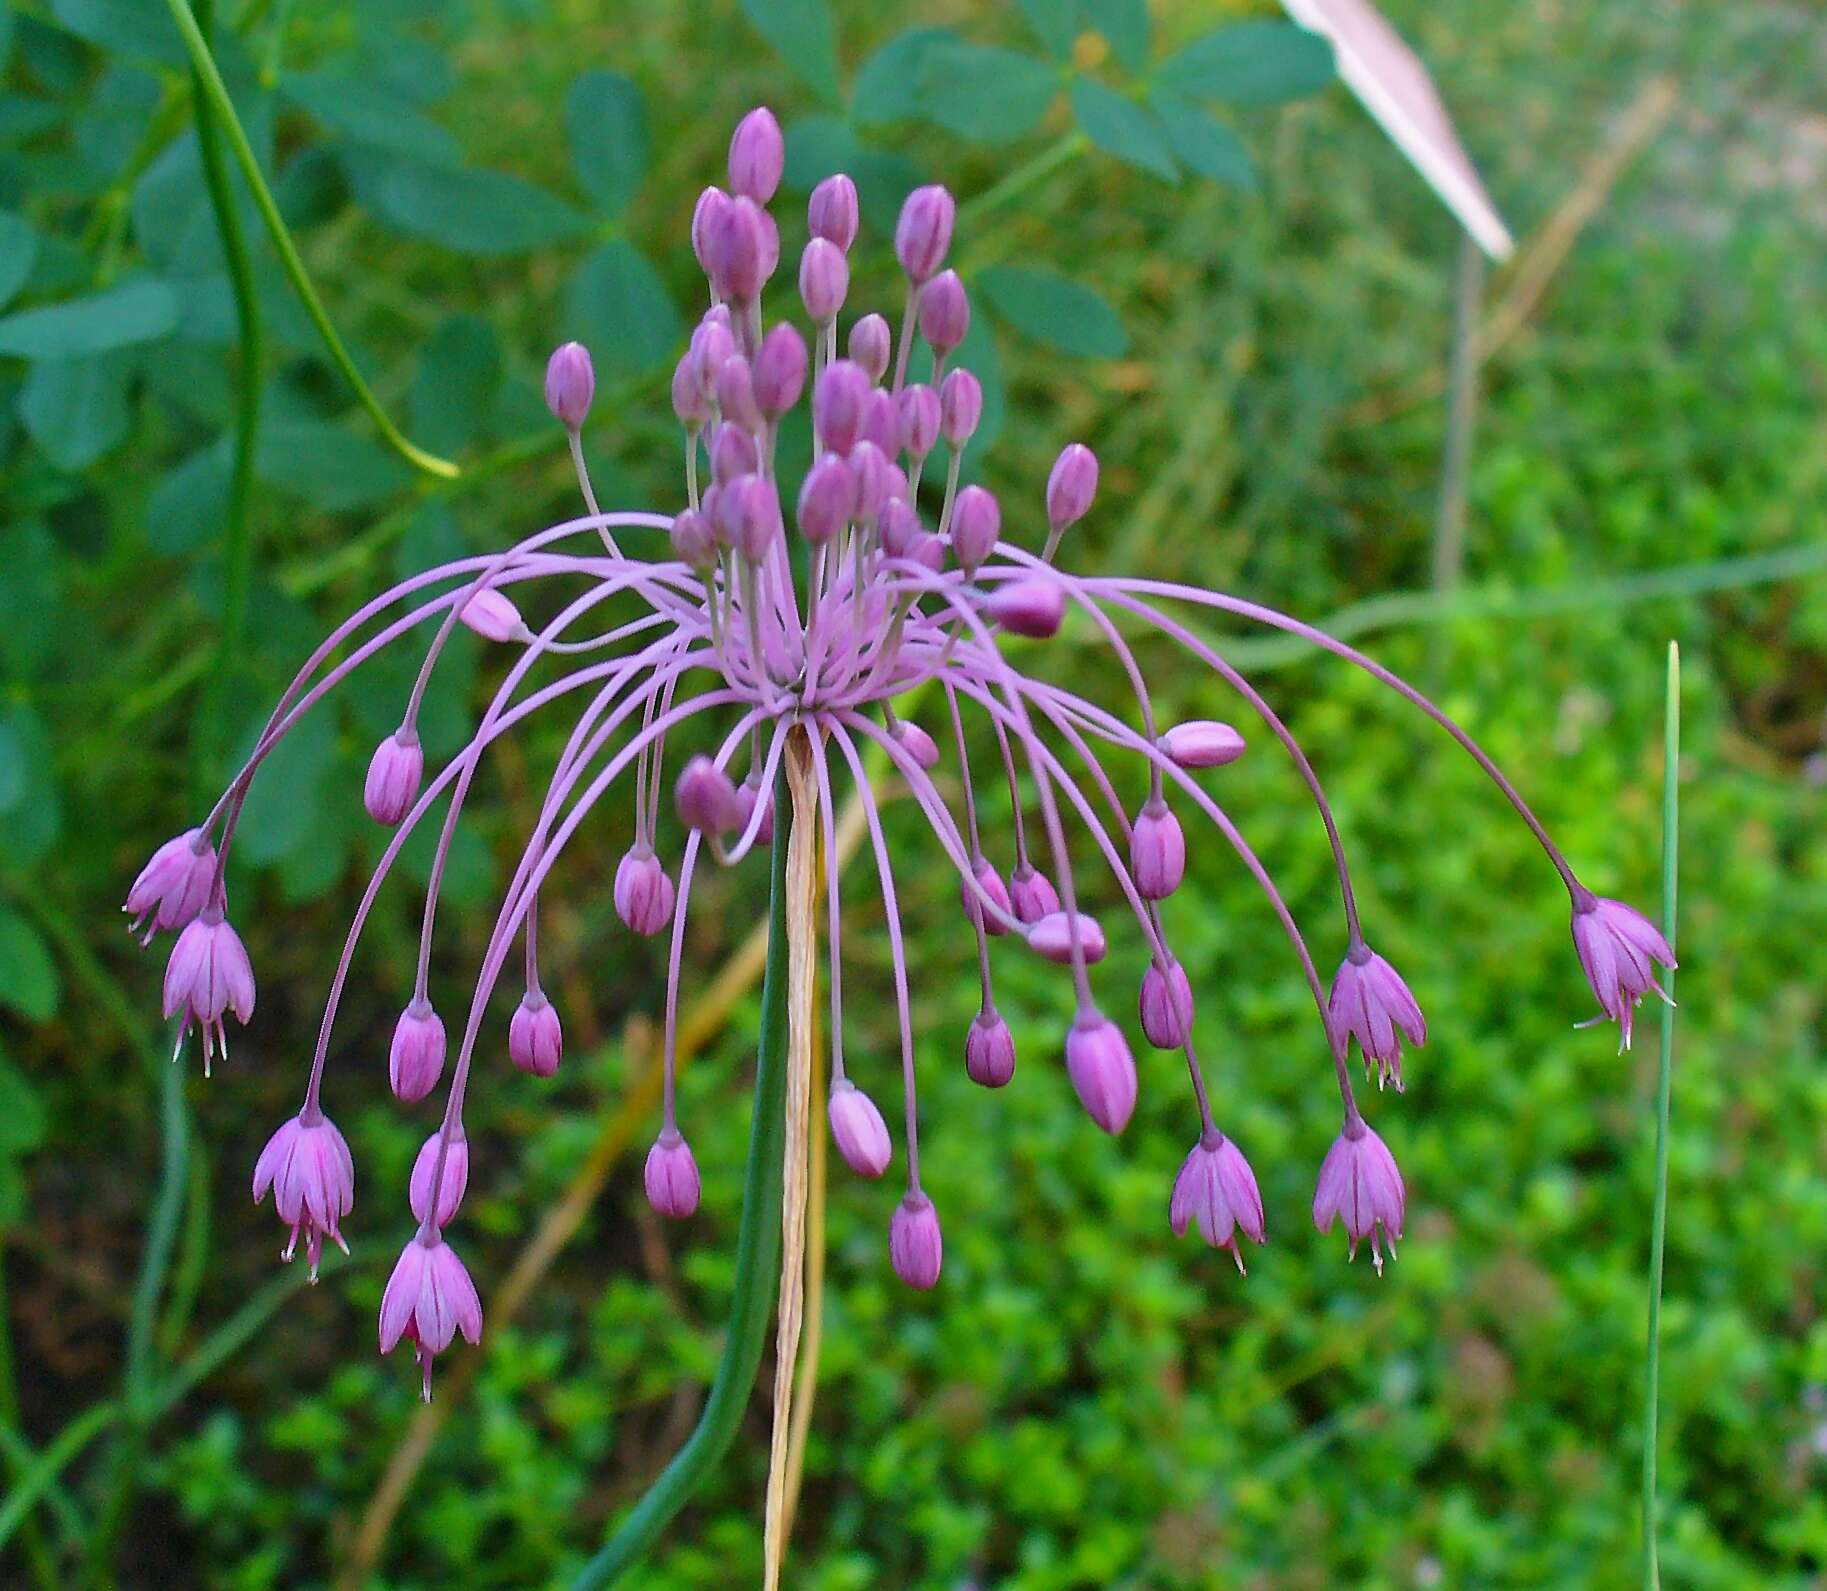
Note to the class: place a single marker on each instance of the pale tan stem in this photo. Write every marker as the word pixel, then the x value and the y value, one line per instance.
pixel 802 989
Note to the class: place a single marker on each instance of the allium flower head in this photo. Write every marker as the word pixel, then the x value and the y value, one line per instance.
pixel 745 625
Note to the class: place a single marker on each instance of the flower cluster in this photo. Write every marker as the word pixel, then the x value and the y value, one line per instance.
pixel 903 585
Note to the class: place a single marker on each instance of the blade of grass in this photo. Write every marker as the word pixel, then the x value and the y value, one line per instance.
pixel 1658 1231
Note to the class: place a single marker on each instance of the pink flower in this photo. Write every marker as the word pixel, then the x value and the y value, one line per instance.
pixel 208 974
pixel 1619 949
pixel 308 1166
pixel 1371 1003
pixel 861 1134
pixel 173 886
pixel 428 1300
pixel 1217 1188
pixel 1359 1181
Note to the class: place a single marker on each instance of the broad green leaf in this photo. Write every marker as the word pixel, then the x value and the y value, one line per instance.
pixel 311 187
pixel 984 92
pixel 817 146
pixel 127 27
pixel 189 503
pixel 1124 24
pixel 113 122
pixel 1122 128
pixel 820 145
pixel 29 600
pixel 606 121
pixel 1250 63
pixel 22 1115
pixel 138 311
pixel 474 212
pixel 1055 24
pixel 802 34
pixel 18 250
pixel 327 465
pixel 28 977
pixel 14 774
pixel 453 393
pixel 362 110
pixel 35 820
pixel 407 65
pixel 290 782
pixel 76 409
pixel 1204 145
pixel 1054 309
pixel 620 309
pixel 311 868
pixel 22 116
pixel 891 85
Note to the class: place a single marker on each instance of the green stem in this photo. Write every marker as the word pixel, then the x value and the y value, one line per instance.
pixel 1671 753
pixel 17 1452
pixel 757 1258
pixel 51 1463
pixel 210 79
pixel 237 542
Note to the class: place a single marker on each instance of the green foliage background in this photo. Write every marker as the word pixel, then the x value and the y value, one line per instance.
pixel 1083 1402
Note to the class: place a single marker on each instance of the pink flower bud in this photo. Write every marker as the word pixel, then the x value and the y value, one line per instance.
pixel 882 423
pixel 1166 1006
pixel 1071 486
pixel 960 407
pixel 1051 937
pixel 1102 1070
pixel 737 240
pixel 1202 743
pixel 736 394
pixel 824 280
pixel 899 526
pixel 770 246
pixel 746 795
pixel 493 617
pixel 706 799
pixel 429 1298
pixel 914 1245
pixel 831 212
pixel 871 343
pixel 918 412
pixel 1032 607
pixel 757 155
pixel 394 772
pixel 688 400
pixel 671 1176
pixel 312 1175
pixel 711 204
pixel 869 467
pixel 1360 1183
pixel 1032 895
pixel 415 1060
pixel 712 342
pixel 989 881
pixel 976 523
pixel 1217 1189
pixel 1370 1002
pixel 750 515
pixel 945 312
pixel 694 541
pixel 826 500
pixel 732 453
pixel 451 1187
pixel 989 1049
pixel 570 384
pixel 173 886
pixel 209 974
pixel 779 371
pixel 837 404
pixel 924 231
pixel 536 1039
pixel 1157 851
pixel 858 1130
pixel 918 745
pixel 643 891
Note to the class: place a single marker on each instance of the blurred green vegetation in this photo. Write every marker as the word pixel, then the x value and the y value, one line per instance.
pixel 1083 1402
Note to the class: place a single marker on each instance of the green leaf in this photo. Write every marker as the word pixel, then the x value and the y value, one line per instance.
pixel 1055 24
pixel 820 145
pixel 288 786
pixel 891 84
pixel 802 34
pixel 1122 128
pixel 14 775
pixel 1250 63
pixel 363 111
pixel 1205 146
pixel 22 1115
pixel 328 466
pixel 190 501
pixel 1054 310
pixel 127 27
pixel 620 309
pixel 984 92
pixel 34 822
pixel 454 391
pixel 1124 23
pixel 138 311
pixel 28 597
pixel 606 120
pixel 18 251
pixel 473 212
pixel 28 977
pixel 817 146
pixel 76 409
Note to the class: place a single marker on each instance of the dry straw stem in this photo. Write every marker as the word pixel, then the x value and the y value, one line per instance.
pixel 806 1388
pixel 698 1025
pixel 802 988
pixel 1546 252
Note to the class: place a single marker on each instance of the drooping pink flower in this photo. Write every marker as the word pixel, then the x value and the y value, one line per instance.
pixel 429 1298
pixel 1370 1003
pixel 1217 1189
pixel 173 886
pixel 308 1166
pixel 209 974
pixel 1360 1184
pixel 1620 949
